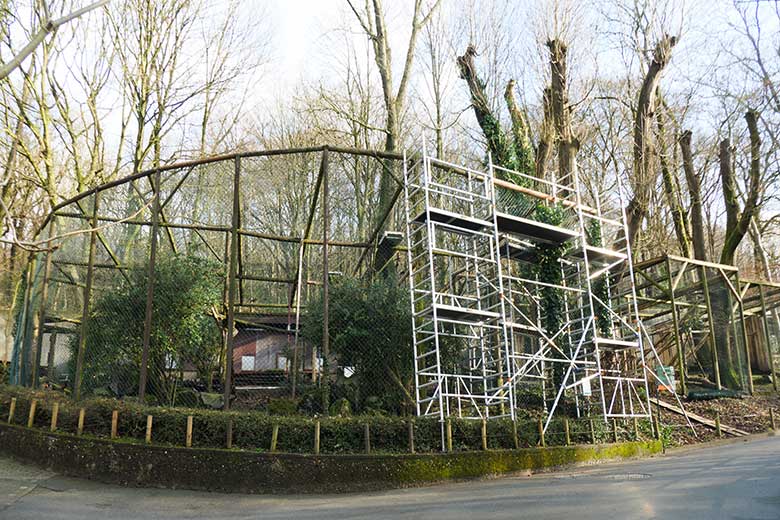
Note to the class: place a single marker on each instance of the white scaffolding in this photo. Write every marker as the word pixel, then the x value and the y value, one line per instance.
pixel 479 310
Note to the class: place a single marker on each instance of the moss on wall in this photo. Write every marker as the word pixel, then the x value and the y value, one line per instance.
pixel 135 464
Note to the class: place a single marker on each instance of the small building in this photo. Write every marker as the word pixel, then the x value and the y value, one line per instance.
pixel 263 351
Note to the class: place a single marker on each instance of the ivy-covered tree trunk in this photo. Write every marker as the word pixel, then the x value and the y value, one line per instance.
pixel 738 222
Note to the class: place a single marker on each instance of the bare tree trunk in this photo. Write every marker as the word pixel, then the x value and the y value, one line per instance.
pixel 672 192
pixel 561 113
pixel 643 179
pixel 738 223
pixel 694 191
pixel 546 136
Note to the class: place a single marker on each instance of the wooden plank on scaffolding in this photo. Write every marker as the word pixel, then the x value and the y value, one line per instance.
pixel 452 312
pixel 449 218
pixel 533 230
pixel 600 255
pixel 698 418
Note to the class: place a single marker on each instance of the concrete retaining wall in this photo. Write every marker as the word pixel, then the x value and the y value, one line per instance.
pixel 134 464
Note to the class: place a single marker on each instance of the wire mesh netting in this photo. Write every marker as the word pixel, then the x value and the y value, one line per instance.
pixel 153 281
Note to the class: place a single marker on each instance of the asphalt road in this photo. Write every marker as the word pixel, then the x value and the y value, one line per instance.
pixel 740 480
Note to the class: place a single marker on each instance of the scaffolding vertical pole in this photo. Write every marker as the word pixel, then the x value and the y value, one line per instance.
pixel 36 352
pixel 509 368
pixel 150 279
pixel 635 304
pixel 412 293
pixel 764 312
pixel 676 324
pixel 713 339
pixel 325 381
pixel 87 296
pixel 234 252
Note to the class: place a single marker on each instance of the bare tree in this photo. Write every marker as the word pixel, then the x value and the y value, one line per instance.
pixel 48 26
pixel 693 182
pixel 372 20
pixel 643 176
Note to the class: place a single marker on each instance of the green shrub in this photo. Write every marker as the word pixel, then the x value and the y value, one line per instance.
pixel 252 430
pixel 282 406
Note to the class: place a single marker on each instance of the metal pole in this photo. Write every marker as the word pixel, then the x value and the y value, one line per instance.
pixel 297 296
pixel 20 379
pixel 36 353
pixel 234 252
pixel 325 381
pixel 150 276
pixel 764 312
pixel 713 345
pixel 676 321
pixel 87 296
pixel 744 334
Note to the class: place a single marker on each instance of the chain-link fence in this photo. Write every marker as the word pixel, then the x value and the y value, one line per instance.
pixel 212 280
pixel 695 312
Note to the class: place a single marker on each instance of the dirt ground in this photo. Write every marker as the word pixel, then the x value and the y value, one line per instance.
pixel 748 413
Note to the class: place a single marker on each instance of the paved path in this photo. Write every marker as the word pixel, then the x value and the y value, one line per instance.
pixel 737 481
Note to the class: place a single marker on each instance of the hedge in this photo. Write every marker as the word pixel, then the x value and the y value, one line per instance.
pixel 252 430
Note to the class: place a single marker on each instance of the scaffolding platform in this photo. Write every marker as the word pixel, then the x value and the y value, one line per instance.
pixel 599 255
pixel 456 220
pixel 534 230
pixel 465 314
pixel 612 344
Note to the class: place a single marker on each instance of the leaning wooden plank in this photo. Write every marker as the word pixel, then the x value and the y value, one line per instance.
pixel 699 419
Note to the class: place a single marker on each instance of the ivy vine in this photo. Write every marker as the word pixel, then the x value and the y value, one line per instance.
pixel 548 271
pixel 599 286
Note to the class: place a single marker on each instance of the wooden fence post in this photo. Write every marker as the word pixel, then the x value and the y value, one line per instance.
pixel 229 434
pixel 484 435
pixel 718 431
pixel 515 437
pixel 11 410
pixel 636 429
pixel 149 421
pixel 566 431
pixel 188 437
pixel 80 427
pixel 541 434
pixel 772 419
pixel 316 437
pixel 449 435
pixel 274 437
pixel 367 438
pixel 114 424
pixel 55 411
pixel 31 417
pixel 411 436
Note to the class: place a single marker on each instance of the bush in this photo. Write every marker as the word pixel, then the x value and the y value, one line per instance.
pixel 252 430
pixel 184 332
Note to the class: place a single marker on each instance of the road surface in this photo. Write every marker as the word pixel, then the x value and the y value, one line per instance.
pixel 739 481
